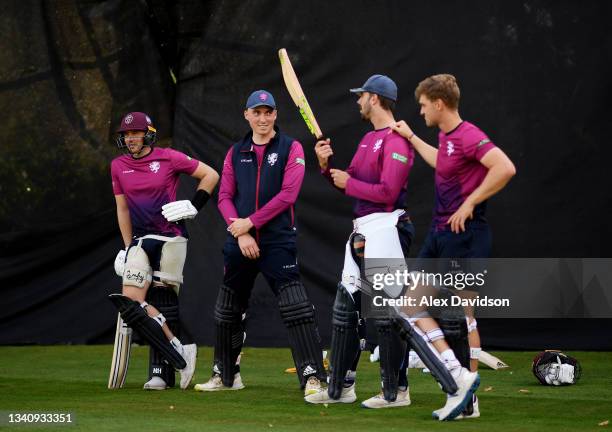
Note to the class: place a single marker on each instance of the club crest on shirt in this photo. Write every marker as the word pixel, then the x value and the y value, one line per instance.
pixel 272 158
pixel 377 145
pixel 450 148
pixel 154 166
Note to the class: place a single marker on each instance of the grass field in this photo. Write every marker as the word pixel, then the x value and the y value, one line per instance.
pixel 73 379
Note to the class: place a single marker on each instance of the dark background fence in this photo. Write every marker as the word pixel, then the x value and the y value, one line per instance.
pixel 534 75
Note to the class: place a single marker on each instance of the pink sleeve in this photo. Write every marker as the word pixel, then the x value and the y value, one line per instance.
pixel 329 178
pixel 397 162
pixel 292 183
pixel 476 144
pixel 117 190
pixel 182 163
pixel 227 190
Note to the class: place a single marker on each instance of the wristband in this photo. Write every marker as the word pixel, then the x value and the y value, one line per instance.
pixel 200 198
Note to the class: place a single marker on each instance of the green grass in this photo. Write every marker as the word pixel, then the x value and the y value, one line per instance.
pixel 73 379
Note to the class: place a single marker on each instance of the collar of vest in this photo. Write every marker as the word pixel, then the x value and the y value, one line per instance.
pixel 246 144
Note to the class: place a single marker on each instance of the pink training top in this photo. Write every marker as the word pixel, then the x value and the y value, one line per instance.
pixel 292 182
pixel 379 172
pixel 148 184
pixel 459 171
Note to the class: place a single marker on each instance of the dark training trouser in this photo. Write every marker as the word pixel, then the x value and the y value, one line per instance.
pixel 278 264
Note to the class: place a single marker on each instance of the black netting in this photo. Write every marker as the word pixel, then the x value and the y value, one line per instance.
pixel 533 75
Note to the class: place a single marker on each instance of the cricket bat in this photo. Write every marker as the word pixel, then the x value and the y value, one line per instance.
pixel 297 94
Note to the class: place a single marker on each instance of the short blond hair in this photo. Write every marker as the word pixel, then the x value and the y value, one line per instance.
pixel 441 86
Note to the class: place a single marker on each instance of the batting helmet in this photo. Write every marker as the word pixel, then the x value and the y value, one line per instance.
pixel 555 368
pixel 136 121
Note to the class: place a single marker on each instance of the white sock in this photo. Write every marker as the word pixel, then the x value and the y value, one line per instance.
pixel 451 362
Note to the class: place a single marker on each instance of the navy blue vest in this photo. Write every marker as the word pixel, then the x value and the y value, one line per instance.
pixel 255 186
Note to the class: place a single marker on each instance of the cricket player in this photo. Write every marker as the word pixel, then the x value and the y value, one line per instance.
pixel 261 179
pixel 377 179
pixel 469 169
pixel 151 222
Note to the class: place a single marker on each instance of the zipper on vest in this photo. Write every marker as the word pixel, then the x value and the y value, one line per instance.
pixel 257 190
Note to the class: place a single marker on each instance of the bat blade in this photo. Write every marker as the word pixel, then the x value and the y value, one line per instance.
pixel 297 94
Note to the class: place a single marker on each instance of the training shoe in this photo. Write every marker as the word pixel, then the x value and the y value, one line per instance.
pixel 313 385
pixel 216 384
pixel 348 396
pixel 475 412
pixel 379 401
pixel 464 414
pixel 467 382
pixel 155 383
pixel 190 353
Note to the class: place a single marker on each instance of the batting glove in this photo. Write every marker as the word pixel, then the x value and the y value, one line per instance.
pixel 178 210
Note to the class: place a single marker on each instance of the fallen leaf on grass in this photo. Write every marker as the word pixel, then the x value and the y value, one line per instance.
pixel 171 407
pixel 488 389
pixel 524 391
pixel 604 423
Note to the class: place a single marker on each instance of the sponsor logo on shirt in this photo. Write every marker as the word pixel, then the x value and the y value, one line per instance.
pixel 154 166
pixel 300 161
pixel 377 145
pixel 483 142
pixel 450 148
pixel 272 158
pixel 127 171
pixel 246 160
pixel 400 157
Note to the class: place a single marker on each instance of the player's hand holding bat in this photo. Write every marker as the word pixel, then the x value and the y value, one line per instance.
pixel 323 151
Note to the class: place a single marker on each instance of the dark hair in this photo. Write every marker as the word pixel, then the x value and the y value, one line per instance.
pixel 442 86
pixel 386 104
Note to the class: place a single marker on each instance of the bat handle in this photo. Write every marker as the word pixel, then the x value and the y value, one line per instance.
pixel 324 138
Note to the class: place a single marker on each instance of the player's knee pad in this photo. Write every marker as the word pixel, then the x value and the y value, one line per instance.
pixel 171 262
pixel 392 350
pixel 297 312
pixel 453 324
pixel 137 270
pixel 150 330
pixel 295 307
pixel 345 340
pixel 230 334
